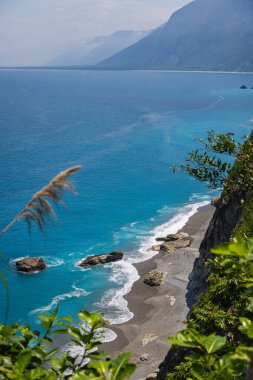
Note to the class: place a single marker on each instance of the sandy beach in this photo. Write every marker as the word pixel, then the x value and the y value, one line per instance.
pixel 159 311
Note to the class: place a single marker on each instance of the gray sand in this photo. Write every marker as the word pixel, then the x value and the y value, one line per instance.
pixel 162 310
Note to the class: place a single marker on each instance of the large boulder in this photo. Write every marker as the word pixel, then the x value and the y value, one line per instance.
pixel 173 237
pixel 30 264
pixel 102 259
pixel 155 278
pixel 177 244
pixel 155 248
pixel 148 338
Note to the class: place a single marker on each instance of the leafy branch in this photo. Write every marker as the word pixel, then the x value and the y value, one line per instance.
pixel 206 163
pixel 24 355
pixel 216 357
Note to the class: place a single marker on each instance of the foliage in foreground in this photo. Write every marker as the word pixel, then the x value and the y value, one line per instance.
pixel 219 335
pixel 211 164
pixel 38 209
pixel 26 356
pixel 207 164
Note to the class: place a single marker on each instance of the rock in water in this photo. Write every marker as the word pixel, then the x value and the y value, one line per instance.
pixel 102 259
pixel 155 278
pixel 30 264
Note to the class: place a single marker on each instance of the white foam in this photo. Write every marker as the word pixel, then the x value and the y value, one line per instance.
pixel 77 265
pixel 109 336
pixel 76 293
pixel 52 261
pixel 172 226
pixel 95 246
pixel 13 262
pixel 113 304
pixel 71 254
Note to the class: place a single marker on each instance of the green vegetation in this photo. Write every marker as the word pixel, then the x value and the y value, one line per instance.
pixel 210 165
pixel 26 356
pixel 219 333
pixel 225 309
pixel 206 164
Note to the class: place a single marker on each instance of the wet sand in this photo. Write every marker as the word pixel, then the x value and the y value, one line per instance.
pixel 160 311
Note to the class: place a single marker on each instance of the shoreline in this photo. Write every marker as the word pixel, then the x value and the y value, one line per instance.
pixel 165 303
pixel 78 68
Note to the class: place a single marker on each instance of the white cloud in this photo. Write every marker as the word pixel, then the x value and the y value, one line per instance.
pixel 32 32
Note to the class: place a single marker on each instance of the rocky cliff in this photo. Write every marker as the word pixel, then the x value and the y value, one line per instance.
pixel 203 35
pixel 226 218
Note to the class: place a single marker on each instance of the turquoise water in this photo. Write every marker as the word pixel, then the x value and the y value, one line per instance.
pixel 126 129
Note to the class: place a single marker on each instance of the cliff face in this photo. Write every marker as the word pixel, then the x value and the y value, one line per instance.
pixel 225 219
pixel 203 35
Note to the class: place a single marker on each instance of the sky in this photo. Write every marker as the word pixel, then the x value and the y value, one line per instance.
pixel 32 32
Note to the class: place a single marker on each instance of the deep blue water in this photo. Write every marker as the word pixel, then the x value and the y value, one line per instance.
pixel 126 129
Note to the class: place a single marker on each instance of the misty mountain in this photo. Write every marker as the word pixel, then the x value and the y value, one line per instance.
pixel 203 35
pixel 98 49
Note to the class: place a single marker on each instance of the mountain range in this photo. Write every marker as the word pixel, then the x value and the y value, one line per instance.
pixel 98 49
pixel 203 35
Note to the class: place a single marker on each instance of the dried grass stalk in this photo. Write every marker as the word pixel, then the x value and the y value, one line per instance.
pixel 38 209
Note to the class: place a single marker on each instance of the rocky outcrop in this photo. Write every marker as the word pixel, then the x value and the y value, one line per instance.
pixel 225 219
pixel 177 244
pixel 30 264
pixel 144 357
pixel 172 242
pixel 152 376
pixel 102 259
pixel 154 248
pixel 155 278
pixel 148 338
pixel 173 237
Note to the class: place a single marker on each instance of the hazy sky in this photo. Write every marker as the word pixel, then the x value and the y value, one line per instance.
pixel 32 32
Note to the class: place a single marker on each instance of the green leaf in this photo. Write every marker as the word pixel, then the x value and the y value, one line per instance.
pixel 227 263
pixel 37 373
pixel 101 367
pixel 94 320
pixel 23 361
pixel 197 375
pixel 122 367
pixel 250 331
pixel 56 363
pixel 85 375
pixel 183 339
pixel 214 343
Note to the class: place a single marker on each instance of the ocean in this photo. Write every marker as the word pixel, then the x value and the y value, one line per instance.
pixel 126 128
